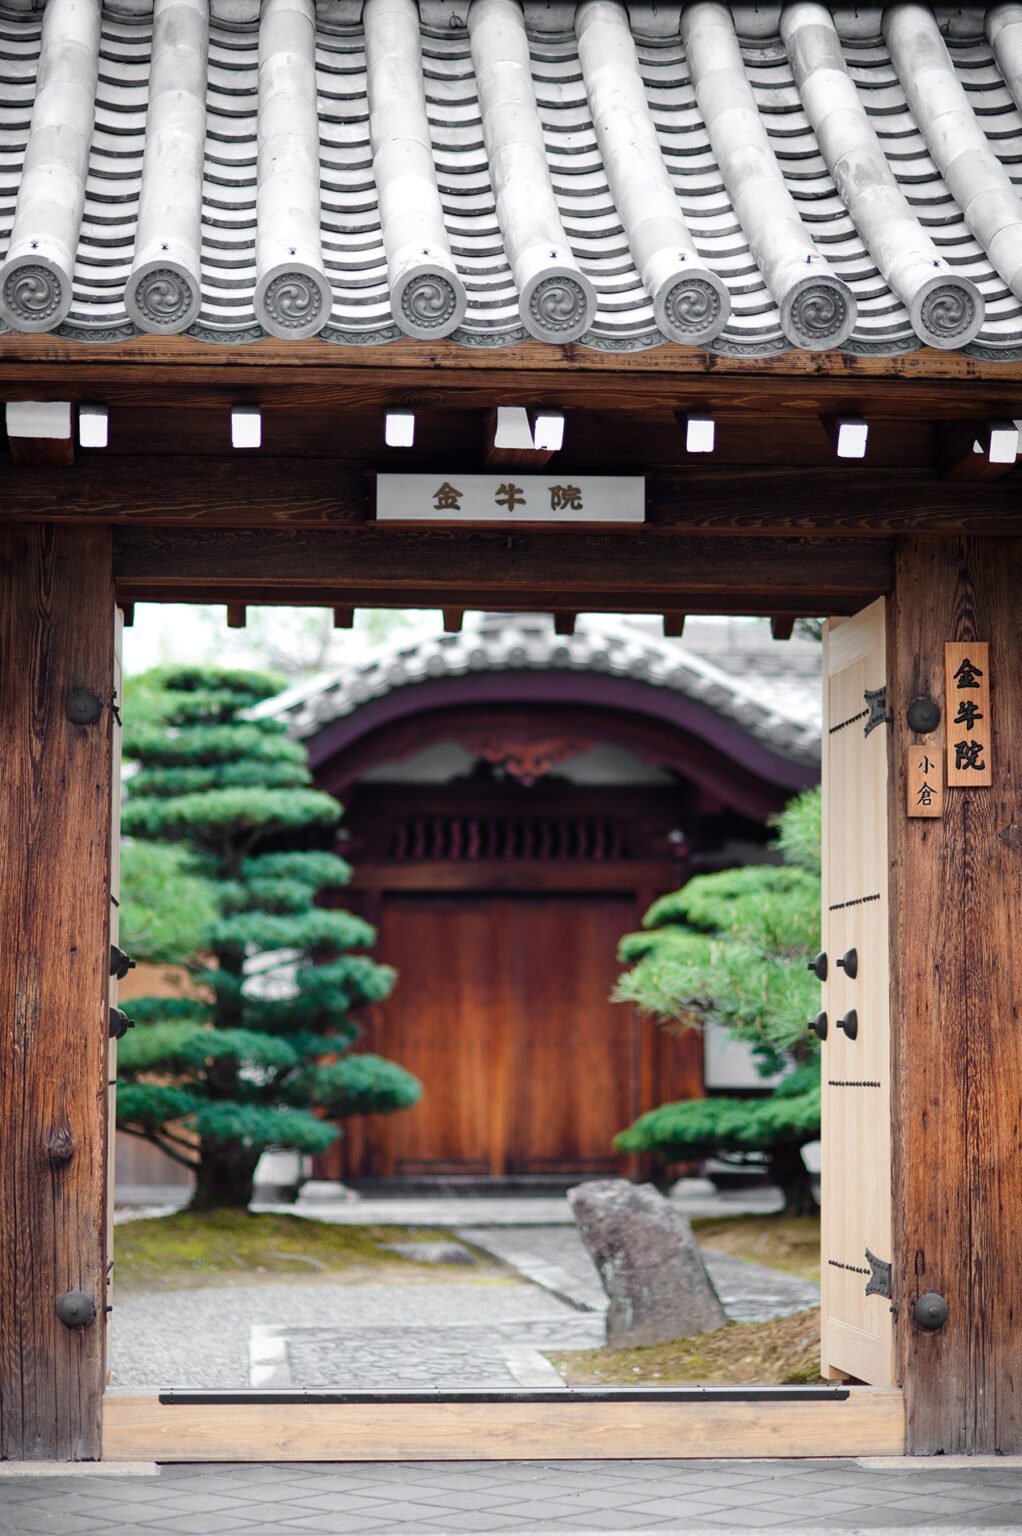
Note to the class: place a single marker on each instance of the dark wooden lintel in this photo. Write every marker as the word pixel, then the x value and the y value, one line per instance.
pixel 286 493
pixel 399 370
pixel 658 571
pixel 50 451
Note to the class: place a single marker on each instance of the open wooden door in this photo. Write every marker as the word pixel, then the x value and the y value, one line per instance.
pixel 857 1323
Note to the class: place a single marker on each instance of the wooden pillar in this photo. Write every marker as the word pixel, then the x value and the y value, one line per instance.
pixel 956 950
pixel 56 635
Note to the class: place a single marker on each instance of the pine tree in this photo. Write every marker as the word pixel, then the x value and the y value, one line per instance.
pixel 732 948
pixel 253 1052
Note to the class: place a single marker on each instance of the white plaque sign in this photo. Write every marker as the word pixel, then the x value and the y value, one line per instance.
pixel 506 497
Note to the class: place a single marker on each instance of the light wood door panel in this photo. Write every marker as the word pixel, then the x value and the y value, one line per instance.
pixel 857 1330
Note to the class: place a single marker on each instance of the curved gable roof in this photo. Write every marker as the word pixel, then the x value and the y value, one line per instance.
pixel 772 695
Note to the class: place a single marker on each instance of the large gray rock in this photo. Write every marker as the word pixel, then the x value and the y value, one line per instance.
pixel 648 1261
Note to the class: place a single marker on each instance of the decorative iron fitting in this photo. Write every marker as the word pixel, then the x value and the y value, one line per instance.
pixel 879 1282
pixel 82 707
pixel 879 714
pixel 76 1309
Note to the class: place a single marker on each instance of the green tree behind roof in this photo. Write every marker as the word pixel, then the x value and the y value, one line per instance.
pixel 217 881
pixel 731 948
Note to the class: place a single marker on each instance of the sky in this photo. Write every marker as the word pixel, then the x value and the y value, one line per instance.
pixel 293 641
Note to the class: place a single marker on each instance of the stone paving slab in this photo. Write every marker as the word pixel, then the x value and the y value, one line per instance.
pixel 202 1337
pixel 496 1355
pixel 688 1498
pixel 556 1259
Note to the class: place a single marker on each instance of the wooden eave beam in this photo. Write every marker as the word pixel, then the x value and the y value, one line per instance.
pixel 411 374
pixel 956 455
pixel 488 568
pixel 19 350
pixel 317 493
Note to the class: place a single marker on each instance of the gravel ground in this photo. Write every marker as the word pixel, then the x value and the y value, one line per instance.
pixel 200 1337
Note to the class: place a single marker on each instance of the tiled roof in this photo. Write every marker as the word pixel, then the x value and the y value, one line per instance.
pixel 777 702
pixel 746 179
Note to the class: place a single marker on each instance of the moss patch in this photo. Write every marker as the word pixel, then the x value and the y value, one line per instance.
pixel 239 1248
pixel 790 1243
pixel 783 1351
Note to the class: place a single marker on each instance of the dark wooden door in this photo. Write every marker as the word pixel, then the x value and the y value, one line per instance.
pixel 443 1024
pixel 502 1010
pixel 571 1053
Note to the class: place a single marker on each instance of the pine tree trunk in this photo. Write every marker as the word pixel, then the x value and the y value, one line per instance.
pixel 788 1172
pixel 223 1178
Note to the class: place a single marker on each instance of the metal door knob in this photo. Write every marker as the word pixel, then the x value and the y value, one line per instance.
pixel 119 1023
pixel 850 1023
pixel 818 966
pixel 849 963
pixel 819 1026
pixel 76 1309
pixel 930 1312
pixel 120 963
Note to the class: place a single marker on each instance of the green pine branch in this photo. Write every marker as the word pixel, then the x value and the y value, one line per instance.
pixel 233 1062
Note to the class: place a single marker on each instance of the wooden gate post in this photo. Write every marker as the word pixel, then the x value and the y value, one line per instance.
pixel 56 636
pixel 956 957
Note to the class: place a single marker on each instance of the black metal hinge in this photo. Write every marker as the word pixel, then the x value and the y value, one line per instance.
pixel 879 1282
pixel 876 703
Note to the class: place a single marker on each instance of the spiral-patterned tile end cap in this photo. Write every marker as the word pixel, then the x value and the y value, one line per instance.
pixel 293 302
pixel 947 312
pixel 692 308
pixel 429 301
pixel 162 297
pixel 558 304
pixel 818 313
pixel 35 293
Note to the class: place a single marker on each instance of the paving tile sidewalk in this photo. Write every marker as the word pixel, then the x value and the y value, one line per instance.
pixel 403 1498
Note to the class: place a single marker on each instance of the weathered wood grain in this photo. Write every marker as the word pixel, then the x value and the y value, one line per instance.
pixel 957 1048
pixel 469 567
pixel 316 492
pixel 56 633
pixel 174 351
pixel 190 374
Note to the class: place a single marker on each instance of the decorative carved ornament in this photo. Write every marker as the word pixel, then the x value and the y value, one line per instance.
pixel 526 761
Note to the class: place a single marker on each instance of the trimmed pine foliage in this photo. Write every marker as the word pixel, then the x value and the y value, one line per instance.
pixel 254 1051
pixel 732 948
